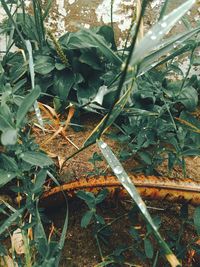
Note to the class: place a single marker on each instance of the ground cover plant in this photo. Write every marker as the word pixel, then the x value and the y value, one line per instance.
pixel 130 89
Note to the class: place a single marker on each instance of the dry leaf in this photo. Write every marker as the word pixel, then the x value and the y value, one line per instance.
pixel 18 242
pixel 7 261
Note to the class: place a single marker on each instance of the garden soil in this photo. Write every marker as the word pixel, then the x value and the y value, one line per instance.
pixel 81 249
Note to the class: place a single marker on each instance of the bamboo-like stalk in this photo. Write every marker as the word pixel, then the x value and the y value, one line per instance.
pixel 149 187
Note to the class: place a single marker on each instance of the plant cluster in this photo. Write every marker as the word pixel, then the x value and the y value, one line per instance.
pixel 130 88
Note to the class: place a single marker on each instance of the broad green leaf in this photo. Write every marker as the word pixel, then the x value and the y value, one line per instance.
pixel 6 176
pixel 4 124
pixel 88 39
pixel 8 163
pixel 44 64
pixel 90 57
pixel 86 218
pixel 108 34
pixel 131 189
pixel 197 219
pixel 9 137
pixel 148 248
pixel 102 46
pixel 146 157
pixel 189 98
pixel 26 104
pixel 36 158
pixel 63 82
pixel 88 197
pixel 157 32
pixel 17 71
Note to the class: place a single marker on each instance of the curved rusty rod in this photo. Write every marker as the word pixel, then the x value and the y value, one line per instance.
pixel 150 187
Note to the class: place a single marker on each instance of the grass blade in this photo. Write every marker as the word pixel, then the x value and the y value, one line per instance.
pixel 157 32
pixel 168 45
pixel 131 189
pixel 32 75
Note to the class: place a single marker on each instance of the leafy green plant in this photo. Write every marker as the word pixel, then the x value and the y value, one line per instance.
pixel 94 160
pixel 92 201
pixel 131 89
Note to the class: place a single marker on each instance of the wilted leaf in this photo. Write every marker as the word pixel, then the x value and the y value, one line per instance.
pixel 18 242
pixel 8 262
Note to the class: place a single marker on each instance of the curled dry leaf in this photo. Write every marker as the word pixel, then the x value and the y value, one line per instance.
pixel 7 261
pixel 18 242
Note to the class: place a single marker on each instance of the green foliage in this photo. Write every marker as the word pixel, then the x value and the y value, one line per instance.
pixel 151 111
pixel 91 202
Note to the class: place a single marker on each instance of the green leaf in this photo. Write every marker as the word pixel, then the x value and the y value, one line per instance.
pixel 6 117
pixel 148 248
pixel 44 64
pixel 26 104
pixel 86 218
pixel 17 71
pixel 90 58
pixel 8 162
pixel 99 41
pixel 197 219
pixel 12 219
pixel 158 31
pixel 36 158
pixel 99 219
pixel 191 152
pixel 6 176
pixel 155 58
pixel 189 98
pixel 4 124
pixel 40 236
pixel 101 196
pixel 108 34
pixel 9 137
pixel 146 157
pixel 40 179
pixel 63 82
pixel 88 39
pixel 88 197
